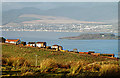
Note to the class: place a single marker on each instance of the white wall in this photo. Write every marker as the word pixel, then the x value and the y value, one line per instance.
pixel 38 45
pixel 54 46
pixel 10 42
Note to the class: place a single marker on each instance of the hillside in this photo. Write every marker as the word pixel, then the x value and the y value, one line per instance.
pixel 80 11
pixel 20 61
pixel 51 19
pixel 37 18
pixel 86 36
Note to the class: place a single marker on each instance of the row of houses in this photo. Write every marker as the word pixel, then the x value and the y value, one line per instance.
pixel 55 47
pixel 33 44
pixel 37 44
pixel 96 54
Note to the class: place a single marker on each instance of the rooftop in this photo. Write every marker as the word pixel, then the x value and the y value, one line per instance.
pixel 41 42
pixel 55 45
pixel 15 40
pixel 31 42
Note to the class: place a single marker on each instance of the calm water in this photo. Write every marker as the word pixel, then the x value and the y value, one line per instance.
pixel 101 46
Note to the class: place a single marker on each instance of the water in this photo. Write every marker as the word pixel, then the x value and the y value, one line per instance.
pixel 100 46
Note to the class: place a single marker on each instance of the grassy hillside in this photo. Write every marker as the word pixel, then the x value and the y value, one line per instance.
pixel 21 61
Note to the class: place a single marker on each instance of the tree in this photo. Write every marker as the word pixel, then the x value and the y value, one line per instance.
pixel 2 40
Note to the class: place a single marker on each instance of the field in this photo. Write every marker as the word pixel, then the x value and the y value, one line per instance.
pixel 22 61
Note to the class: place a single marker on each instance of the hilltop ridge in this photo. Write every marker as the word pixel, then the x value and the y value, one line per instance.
pixel 88 36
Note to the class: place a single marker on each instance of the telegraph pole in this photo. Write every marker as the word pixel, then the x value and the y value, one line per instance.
pixel 36 60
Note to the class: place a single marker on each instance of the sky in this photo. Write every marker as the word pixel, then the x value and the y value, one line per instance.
pixel 59 0
pixel 52 5
pixel 85 10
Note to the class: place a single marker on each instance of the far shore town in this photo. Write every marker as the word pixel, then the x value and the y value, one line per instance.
pixel 53 47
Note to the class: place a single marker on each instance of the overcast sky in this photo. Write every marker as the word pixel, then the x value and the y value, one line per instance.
pixel 52 5
pixel 85 10
pixel 60 0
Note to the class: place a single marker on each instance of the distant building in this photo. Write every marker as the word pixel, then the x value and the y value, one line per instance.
pixel 91 52
pixel 57 47
pixel 23 43
pixel 109 55
pixel 13 41
pixel 31 44
pixel 95 54
pixel 41 44
pixel 48 47
pixel 75 50
pixel 103 35
pixel 60 48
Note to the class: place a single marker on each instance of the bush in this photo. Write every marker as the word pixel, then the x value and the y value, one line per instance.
pixel 48 64
pixel 15 61
pixel 109 70
pixel 76 67
pixel 4 61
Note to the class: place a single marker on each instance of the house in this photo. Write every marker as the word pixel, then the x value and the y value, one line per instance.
pixel 71 51
pixel 91 52
pixel 81 52
pixel 13 41
pixel 23 43
pixel 48 47
pixel 64 50
pixel 95 54
pixel 109 55
pixel 75 50
pixel 56 47
pixel 31 44
pixel 60 48
pixel 41 44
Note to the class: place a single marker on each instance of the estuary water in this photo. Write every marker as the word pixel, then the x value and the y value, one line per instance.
pixel 99 46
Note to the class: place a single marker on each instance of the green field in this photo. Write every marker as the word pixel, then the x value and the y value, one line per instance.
pixel 21 61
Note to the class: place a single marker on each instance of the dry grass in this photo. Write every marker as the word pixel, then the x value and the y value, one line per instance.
pixel 12 61
pixel 64 63
pixel 109 70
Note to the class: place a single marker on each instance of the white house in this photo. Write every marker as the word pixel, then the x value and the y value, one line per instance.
pixel 55 46
pixel 41 44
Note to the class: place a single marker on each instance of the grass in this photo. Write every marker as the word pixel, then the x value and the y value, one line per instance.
pixel 54 64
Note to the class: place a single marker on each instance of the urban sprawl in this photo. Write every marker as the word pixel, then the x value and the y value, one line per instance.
pixel 70 27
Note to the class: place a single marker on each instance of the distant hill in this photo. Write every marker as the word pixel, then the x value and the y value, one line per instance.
pixel 87 36
pixel 96 14
pixel 34 18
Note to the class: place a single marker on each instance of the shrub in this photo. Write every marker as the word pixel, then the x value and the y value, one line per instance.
pixel 109 70
pixel 12 61
pixel 76 67
pixel 4 61
pixel 28 74
pixel 48 64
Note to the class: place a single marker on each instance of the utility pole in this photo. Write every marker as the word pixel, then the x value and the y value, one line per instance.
pixel 36 60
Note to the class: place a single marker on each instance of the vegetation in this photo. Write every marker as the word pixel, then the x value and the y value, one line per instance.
pixel 2 40
pixel 20 60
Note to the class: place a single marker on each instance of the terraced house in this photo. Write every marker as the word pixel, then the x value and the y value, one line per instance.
pixel 57 47
pixel 41 44
pixel 31 44
pixel 13 41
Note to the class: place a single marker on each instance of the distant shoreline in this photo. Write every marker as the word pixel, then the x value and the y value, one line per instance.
pixel 96 36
